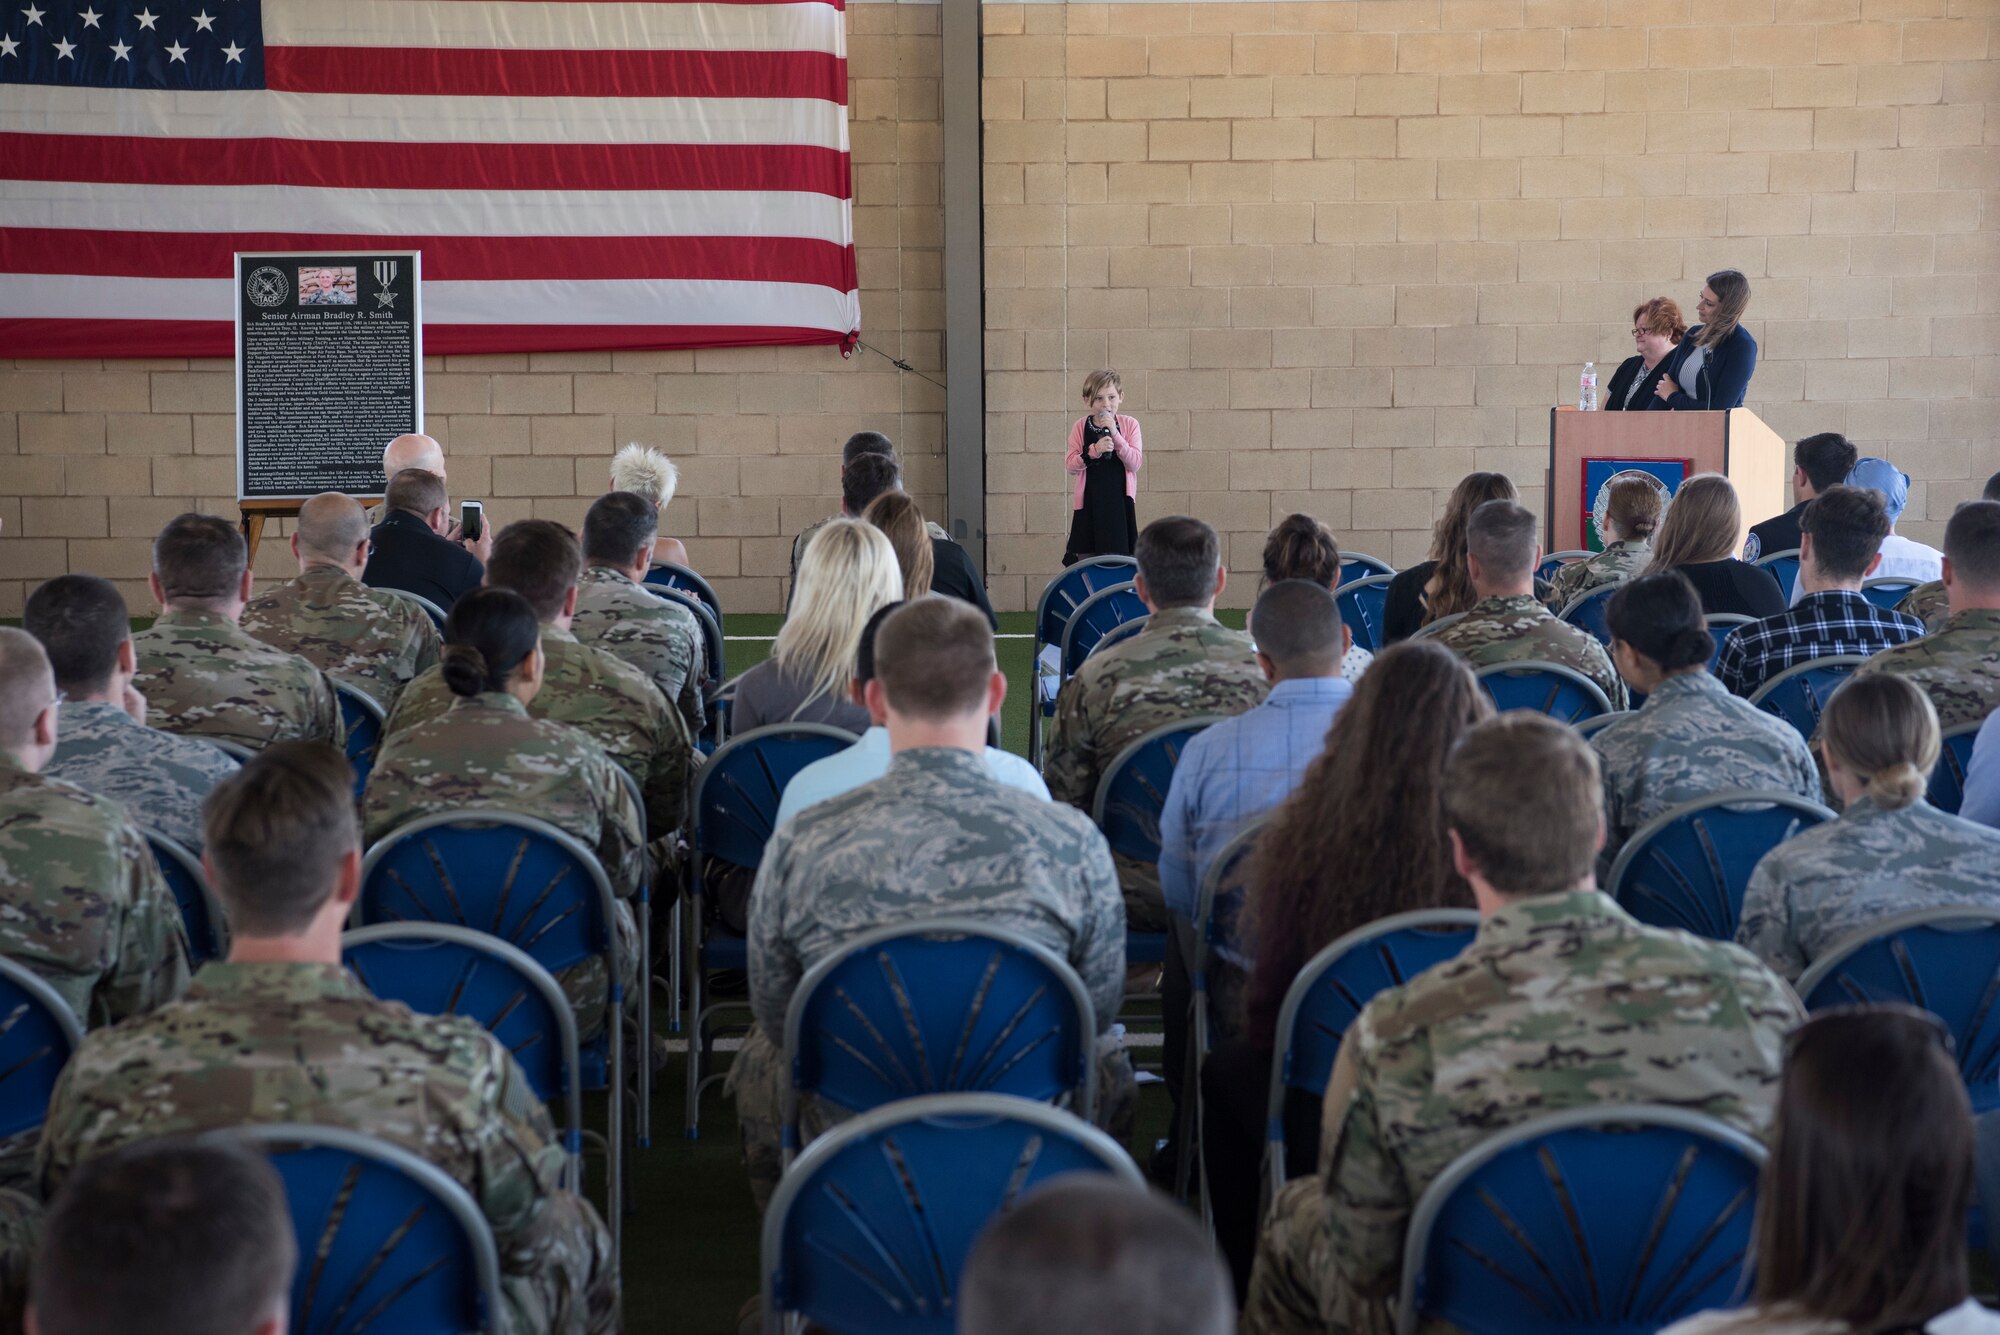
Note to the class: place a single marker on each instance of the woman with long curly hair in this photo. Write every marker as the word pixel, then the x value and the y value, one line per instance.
pixel 1442 585
pixel 1361 838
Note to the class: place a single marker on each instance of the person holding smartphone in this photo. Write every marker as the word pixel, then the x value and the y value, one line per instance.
pixel 1105 454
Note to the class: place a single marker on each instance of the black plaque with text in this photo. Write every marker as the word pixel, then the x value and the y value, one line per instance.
pixel 329 369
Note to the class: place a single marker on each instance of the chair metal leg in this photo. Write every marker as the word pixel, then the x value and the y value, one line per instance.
pixel 614 1176
pixel 674 954
pixel 692 1114
pixel 645 984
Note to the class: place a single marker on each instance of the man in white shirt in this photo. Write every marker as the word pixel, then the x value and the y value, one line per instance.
pixel 868 759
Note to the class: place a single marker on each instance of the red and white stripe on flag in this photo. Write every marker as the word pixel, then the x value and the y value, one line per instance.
pixel 577 173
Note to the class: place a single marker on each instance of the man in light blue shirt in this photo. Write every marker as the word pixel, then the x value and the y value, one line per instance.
pixel 868 759
pixel 1982 776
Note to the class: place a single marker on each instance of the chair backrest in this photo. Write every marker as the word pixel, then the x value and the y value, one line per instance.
pixel 431 609
pixel 387 1242
pixel 201 912
pixel 951 1005
pixel 737 792
pixel 1721 625
pixel 871 1225
pixel 38 1032
pixel 714 647
pixel 1604 1220
pixel 1097 615
pixel 1433 627
pixel 1361 604
pixel 1688 866
pixel 1587 611
pixel 1590 727
pixel 364 719
pixel 235 750
pixel 1125 630
pixel 1133 791
pixel 1071 589
pixel 1947 790
pixel 1561 692
pixel 1360 565
pixel 1885 591
pixel 1784 567
pixel 671 576
pixel 1798 694
pixel 1223 890
pixel 1555 561
pixel 1945 961
pixel 439 970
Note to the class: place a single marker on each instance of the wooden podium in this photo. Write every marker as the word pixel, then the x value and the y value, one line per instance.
pixel 1735 444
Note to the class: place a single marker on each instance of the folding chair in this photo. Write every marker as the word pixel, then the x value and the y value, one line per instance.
pixel 1555 561
pixel 1563 693
pixel 1721 625
pixel 1099 614
pixel 364 719
pixel 1360 565
pixel 668 575
pixel 1587 612
pixel 1688 866
pixel 201 912
pixel 1947 790
pixel 1784 567
pixel 236 751
pixel 1593 1220
pixel 1217 908
pixel 38 1032
pixel 714 647
pixel 1885 591
pixel 1590 727
pixel 1361 604
pixel 430 609
pixel 1124 630
pixel 1059 601
pixel 1799 693
pixel 1426 631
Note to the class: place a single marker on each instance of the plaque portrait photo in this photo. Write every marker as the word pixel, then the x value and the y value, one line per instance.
pixel 326 286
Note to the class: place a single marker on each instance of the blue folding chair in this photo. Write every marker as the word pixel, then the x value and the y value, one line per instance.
pixel 1100 614
pixel 1688 866
pixel 1798 694
pixel 1361 604
pixel 736 798
pixel 236 751
pixel 430 609
pixel 667 575
pixel 1590 727
pixel 945 1006
pixel 1564 694
pixel 1784 567
pixel 1059 601
pixel 1124 630
pixel 1886 591
pixel 1360 565
pixel 1587 612
pixel 1947 790
pixel 714 647
pixel 1431 628
pixel 1721 625
pixel 1218 906
pixel 871 1226
pixel 38 1032
pixel 364 720
pixel 1322 1002
pixel 1603 1220
pixel 1945 961
pixel 439 970
pixel 201 912
pixel 1555 561
pixel 387 1242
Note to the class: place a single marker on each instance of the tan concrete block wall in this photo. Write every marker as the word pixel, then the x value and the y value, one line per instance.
pixel 94 457
pixel 1343 253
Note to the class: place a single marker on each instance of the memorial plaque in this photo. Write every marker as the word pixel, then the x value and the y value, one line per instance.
pixel 329 369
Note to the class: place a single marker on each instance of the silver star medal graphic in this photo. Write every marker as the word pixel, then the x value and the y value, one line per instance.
pixel 267 287
pixel 385 274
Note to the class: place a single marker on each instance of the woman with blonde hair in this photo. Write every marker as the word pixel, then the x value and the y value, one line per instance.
pixel 1710 370
pixel 1890 851
pixel 1657 329
pixel 652 476
pixel 1699 536
pixel 848 571
pixel 1631 517
pixel 902 523
pixel 1442 585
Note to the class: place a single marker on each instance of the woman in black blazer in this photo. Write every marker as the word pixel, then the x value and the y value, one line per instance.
pixel 1657 328
pixel 1710 370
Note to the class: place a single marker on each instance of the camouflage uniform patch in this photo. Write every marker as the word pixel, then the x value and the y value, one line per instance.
pixel 1520 630
pixel 161 780
pixel 368 639
pixel 204 676
pixel 1958 666
pixel 1928 603
pixel 1614 565
pixel 656 635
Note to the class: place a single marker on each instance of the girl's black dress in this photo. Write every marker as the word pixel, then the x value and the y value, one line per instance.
pixel 1107 523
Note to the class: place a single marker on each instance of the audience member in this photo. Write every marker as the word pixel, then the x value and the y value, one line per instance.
pixel 1928 602
pixel 103 745
pixel 860 445
pixel 938 836
pixel 1818 463
pixel 1090 1253
pixel 1861 1215
pixel 362 637
pixel 809 677
pixel 1509 624
pixel 201 673
pixel 1184 664
pixel 1300 547
pixel 872 477
pixel 1361 837
pixel 1631 517
pixel 172 1237
pixel 1698 538
pixel 1657 329
pixel 410 451
pixel 868 759
pixel 1890 852
pixel 280 1031
pixel 1841 533
pixel 652 476
pixel 1901 557
pixel 1429 1069
pixel 902 523
pixel 588 688
pixel 618 613
pixel 1442 585
pixel 1959 665
pixel 1692 738
pixel 1709 370
pixel 411 548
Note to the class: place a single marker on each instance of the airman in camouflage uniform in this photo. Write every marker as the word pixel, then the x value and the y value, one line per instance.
pixel 1831 882
pixel 486 751
pixel 1958 666
pixel 656 635
pixel 303 1042
pixel 160 779
pixel 1183 665
pixel 1518 629
pixel 1928 604
pixel 1691 739
pixel 366 638
pixel 938 836
pixel 1618 562
pixel 204 676
pixel 1429 1069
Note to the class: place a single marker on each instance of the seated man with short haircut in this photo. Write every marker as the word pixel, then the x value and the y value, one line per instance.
pixel 1184 664
pixel 1509 624
pixel 938 836
pixel 1929 603
pixel 873 476
pixel 859 445
pixel 1842 532
pixel 103 745
pixel 201 673
pixel 1561 1001
pixel 1959 665
pixel 412 551
pixel 372 641
pixel 280 1032
pixel 617 612
pixel 1087 1253
pixel 1818 463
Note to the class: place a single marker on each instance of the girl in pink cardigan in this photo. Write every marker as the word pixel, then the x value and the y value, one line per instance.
pixel 1105 454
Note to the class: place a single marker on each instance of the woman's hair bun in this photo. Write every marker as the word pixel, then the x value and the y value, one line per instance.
pixel 464 669
pixel 1897 786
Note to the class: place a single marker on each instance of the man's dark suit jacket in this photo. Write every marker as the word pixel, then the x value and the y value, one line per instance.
pixel 408 556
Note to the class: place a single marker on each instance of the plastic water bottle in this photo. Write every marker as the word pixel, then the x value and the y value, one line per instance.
pixel 1586 394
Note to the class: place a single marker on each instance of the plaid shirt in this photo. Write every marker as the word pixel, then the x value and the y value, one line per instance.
pixel 1833 621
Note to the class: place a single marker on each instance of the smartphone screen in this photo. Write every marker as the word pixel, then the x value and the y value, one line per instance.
pixel 471 520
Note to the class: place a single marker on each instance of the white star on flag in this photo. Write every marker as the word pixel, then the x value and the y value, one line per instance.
pixel 120 51
pixel 233 51
pixel 203 22
pixel 34 15
pixel 64 48
pixel 147 18
pixel 7 46
pixel 90 18
pixel 177 52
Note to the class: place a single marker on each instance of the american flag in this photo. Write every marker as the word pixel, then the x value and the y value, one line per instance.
pixel 577 173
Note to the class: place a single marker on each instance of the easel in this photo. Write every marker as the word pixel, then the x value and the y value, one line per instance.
pixel 255 512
